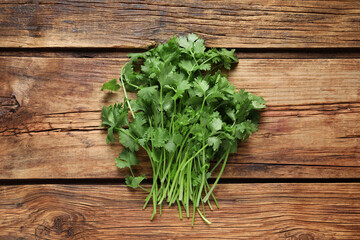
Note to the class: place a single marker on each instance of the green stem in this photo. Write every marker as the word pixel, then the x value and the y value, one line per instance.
pixel 188 186
pixel 125 93
pixel 161 107
pixel 217 164
pixel 213 196
pixel 144 189
pixel 208 201
pixel 181 168
pixel 203 217
pixel 194 208
pixel 180 212
pixel 202 177
pixel 218 177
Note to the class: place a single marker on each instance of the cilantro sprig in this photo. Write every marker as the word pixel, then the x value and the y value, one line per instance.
pixel 186 114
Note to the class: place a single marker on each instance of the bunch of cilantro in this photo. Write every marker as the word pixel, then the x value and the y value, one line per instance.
pixel 186 115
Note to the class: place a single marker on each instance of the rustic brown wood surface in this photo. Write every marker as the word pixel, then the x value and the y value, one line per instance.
pixel 58 179
pixel 50 110
pixel 134 24
pixel 247 211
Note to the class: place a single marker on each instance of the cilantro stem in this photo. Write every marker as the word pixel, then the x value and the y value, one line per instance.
pixel 212 194
pixel 194 210
pixel 208 201
pixel 188 190
pixel 217 164
pixel 218 177
pixel 202 177
pixel 182 167
pixel 160 209
pixel 131 171
pixel 125 93
pixel 144 188
pixel 180 211
pixel 203 207
pixel 203 217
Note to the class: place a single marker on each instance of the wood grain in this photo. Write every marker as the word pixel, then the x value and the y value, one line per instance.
pixel 134 24
pixel 287 211
pixel 50 117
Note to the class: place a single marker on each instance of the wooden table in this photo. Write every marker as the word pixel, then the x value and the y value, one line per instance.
pixel 296 178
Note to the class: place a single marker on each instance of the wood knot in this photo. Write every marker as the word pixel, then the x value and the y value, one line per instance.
pixel 59 227
pixel 305 236
pixel 8 105
pixel 300 236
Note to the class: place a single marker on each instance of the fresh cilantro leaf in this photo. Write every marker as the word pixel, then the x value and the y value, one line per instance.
pixel 214 142
pixel 147 93
pixel 199 47
pixel 177 138
pixel 128 158
pixel 138 125
pixel 187 65
pixel 160 137
pixel 168 102
pixel 215 124
pixel 201 87
pixel 170 145
pixel 134 182
pixel 181 88
pixel 126 140
pixel 111 85
pixel 110 136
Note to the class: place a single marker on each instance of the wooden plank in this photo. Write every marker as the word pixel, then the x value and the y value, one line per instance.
pixel 134 24
pixel 247 211
pixel 50 113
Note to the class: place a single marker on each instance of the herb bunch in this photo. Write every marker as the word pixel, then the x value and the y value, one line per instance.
pixel 186 115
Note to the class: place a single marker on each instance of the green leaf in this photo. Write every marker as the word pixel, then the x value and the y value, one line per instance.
pixel 201 87
pixel 148 93
pixel 205 67
pixel 160 137
pixel 183 42
pixel 110 136
pixel 121 163
pixel 257 102
pixel 134 182
pixel 128 141
pixel 181 88
pixel 215 124
pixel 214 142
pixel 166 72
pixel 192 37
pixel 187 65
pixel 128 157
pixel 114 116
pixel 138 126
pixel 177 139
pixel 199 47
pixel 111 85
pixel 135 56
pixel 231 114
pixel 170 145
pixel 244 129
pixel 168 102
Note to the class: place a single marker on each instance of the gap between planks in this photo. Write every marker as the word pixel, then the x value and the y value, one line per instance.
pixel 251 53
pixel 121 181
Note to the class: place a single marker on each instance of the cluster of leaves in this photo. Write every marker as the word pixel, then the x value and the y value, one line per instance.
pixel 186 114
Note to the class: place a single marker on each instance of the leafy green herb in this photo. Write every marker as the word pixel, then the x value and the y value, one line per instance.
pixel 186 114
